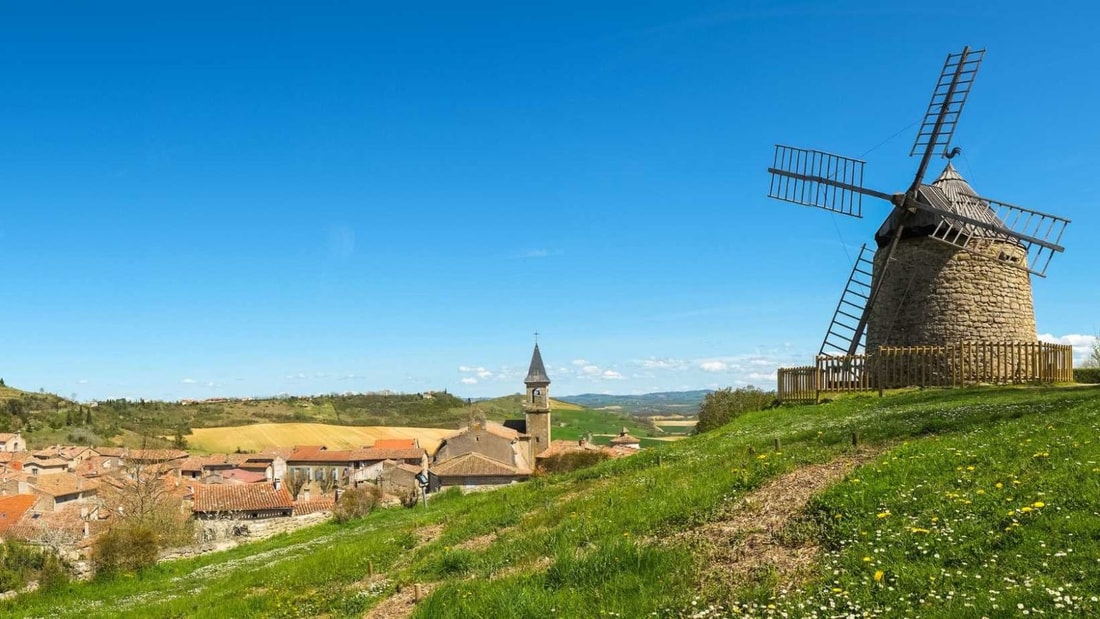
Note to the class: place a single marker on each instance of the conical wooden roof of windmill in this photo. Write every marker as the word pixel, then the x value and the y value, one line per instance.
pixel 954 194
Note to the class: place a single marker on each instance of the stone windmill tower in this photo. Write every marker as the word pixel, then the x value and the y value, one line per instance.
pixel 950 266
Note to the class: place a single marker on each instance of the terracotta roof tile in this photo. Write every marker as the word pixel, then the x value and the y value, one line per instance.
pixel 243 476
pixel 377 454
pixel 240 498
pixel 13 507
pixel 475 464
pixel 310 506
pixel 396 443
pixel 61 484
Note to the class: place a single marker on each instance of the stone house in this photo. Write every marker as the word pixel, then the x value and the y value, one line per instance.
pixel 12 442
pixel 483 453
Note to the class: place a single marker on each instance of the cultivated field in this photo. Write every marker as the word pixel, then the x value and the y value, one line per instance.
pixel 260 436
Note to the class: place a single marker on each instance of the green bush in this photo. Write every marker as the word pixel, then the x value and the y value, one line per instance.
pixel 722 406
pixel 356 503
pixel 125 549
pixel 1086 375
pixel 571 461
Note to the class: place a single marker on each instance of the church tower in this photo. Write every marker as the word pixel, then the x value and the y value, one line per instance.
pixel 536 405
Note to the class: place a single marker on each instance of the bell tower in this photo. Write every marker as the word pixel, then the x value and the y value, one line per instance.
pixel 536 405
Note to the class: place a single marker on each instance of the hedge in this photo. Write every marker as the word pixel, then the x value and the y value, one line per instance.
pixel 1086 375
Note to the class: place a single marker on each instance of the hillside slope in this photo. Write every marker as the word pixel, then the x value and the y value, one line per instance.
pixel 961 503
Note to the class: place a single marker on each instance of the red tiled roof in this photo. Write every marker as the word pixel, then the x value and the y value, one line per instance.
pixel 114 452
pixel 378 454
pixel 313 454
pixel 247 477
pixel 12 509
pixel 475 464
pixel 310 506
pixel 396 443
pixel 240 498
pixel 49 463
pixel 156 455
pixel 61 484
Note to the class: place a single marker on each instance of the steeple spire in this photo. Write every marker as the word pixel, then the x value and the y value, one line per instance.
pixel 536 374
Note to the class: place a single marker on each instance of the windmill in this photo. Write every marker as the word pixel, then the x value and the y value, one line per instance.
pixel 950 265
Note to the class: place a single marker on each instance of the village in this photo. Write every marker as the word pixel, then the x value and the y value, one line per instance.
pixel 65 496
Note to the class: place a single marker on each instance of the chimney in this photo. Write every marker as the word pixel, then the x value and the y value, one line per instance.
pixel 86 530
pixel 278 483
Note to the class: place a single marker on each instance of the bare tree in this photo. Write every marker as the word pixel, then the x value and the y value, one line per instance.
pixel 294 482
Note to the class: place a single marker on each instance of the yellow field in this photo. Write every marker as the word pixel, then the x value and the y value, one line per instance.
pixel 679 423
pixel 558 405
pixel 259 436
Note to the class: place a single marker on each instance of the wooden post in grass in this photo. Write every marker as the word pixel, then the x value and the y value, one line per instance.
pixel 777 445
pixel 752 451
pixel 370 569
pixel 418 592
pixel 855 438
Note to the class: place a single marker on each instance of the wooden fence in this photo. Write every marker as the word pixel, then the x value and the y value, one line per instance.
pixel 928 366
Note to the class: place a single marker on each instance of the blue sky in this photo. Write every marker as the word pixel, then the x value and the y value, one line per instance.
pixel 256 198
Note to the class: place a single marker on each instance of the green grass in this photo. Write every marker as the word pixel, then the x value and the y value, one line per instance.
pixel 927 512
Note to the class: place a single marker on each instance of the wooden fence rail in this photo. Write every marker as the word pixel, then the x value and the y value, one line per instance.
pixel 928 366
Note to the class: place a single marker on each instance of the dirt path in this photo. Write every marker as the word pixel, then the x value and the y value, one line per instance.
pixel 751 535
pixel 401 604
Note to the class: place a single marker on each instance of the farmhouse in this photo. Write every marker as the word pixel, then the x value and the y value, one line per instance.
pixel 249 501
pixel 12 442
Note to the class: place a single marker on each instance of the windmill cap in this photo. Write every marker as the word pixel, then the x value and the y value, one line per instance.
pixel 962 200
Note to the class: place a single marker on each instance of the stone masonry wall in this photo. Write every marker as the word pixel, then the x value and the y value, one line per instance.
pixel 935 294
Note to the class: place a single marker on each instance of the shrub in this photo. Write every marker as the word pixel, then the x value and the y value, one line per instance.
pixel 356 503
pixel 1086 375
pixel 124 549
pixel 722 406
pixel 571 461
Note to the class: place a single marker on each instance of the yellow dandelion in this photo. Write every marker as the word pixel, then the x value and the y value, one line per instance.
pixel 866 559
pixel 878 575
pixel 1038 504
pixel 883 514
pixel 998 485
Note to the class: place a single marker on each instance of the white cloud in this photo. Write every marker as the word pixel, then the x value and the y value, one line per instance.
pixel 188 381
pixel 484 374
pixel 469 380
pixel 591 370
pixel 470 368
pixel 1082 344
pixel 612 375
pixel 653 363
pixel 82 381
pixel 713 366
pixel 580 362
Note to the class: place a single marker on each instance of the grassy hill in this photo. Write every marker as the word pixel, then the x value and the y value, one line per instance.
pixel 962 503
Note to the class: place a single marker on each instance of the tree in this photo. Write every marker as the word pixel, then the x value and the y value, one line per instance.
pixel 294 482
pixel 1093 358
pixel 722 406
pixel 148 517
pixel 356 503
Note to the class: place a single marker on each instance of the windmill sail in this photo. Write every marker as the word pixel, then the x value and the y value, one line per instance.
pixel 819 179
pixel 948 99
pixel 846 332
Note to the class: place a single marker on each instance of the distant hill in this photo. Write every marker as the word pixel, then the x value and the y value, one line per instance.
pixel 661 403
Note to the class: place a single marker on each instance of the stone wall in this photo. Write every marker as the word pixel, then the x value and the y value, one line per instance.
pixel 934 294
